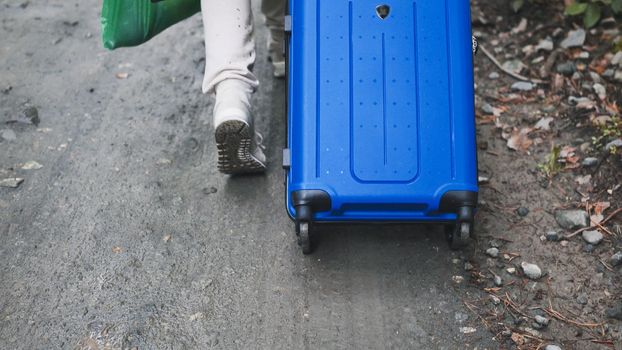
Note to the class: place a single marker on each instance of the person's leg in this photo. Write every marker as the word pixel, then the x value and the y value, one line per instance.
pixel 230 55
pixel 274 11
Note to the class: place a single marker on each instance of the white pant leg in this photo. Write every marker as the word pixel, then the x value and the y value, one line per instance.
pixel 274 11
pixel 229 42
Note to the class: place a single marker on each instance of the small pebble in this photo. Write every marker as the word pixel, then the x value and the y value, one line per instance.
pixel 566 68
pixel 575 38
pixel 31 165
pixel 615 143
pixel 616 259
pixel 468 267
pixel 592 237
pixel 552 347
pixel 522 211
pixel 498 281
pixel 13 182
pixel 492 252
pixel 493 76
pixel 588 248
pixel 572 219
pixel 582 299
pixel 532 271
pixel 542 320
pixel 600 90
pixel 552 236
pixel 589 162
pixel 522 86
pixel 615 312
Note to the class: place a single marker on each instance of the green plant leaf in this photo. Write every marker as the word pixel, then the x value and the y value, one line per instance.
pixel 592 15
pixel 576 8
pixel 616 6
pixel 517 5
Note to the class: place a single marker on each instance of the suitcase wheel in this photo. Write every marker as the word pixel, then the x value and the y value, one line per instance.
pixel 458 235
pixel 303 230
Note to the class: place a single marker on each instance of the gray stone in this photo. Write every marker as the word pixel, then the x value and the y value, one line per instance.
pixel 522 86
pixel 552 236
pixel 615 143
pixel 542 320
pixel 572 219
pixel 532 271
pixel 609 73
pixel 618 76
pixel 552 347
pixel 545 44
pixel 615 312
pixel 487 108
pixel 589 162
pixel 616 259
pixel 617 59
pixel 575 38
pixel 595 77
pixel 588 248
pixel 592 237
pixel 12 182
pixel 515 66
pixel 582 299
pixel 600 90
pixel 498 281
pixel 468 267
pixel 522 211
pixel 579 100
pixel 8 134
pixel 493 76
pixel 492 252
pixel 566 68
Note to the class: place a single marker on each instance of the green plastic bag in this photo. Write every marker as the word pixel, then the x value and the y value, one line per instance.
pixel 133 22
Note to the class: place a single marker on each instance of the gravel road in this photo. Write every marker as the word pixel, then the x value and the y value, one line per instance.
pixel 128 238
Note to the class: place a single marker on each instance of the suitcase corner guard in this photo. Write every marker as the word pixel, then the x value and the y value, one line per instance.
pixel 307 202
pixel 452 201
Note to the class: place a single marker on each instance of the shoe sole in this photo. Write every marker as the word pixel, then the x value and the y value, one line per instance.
pixel 234 140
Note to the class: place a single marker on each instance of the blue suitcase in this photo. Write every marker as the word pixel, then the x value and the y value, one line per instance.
pixel 381 120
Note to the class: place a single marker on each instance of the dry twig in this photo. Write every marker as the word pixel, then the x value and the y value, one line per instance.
pixel 508 72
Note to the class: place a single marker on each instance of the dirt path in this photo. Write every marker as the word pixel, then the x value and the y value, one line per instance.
pixel 128 238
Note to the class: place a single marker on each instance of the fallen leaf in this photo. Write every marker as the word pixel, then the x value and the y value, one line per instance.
pixel 519 140
pixel 518 339
pixel 544 123
pixel 583 180
pixel 600 207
